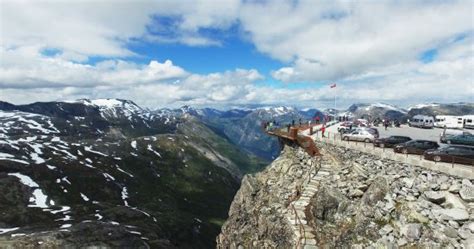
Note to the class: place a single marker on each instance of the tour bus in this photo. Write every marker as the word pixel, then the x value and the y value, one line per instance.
pixel 422 121
pixel 448 121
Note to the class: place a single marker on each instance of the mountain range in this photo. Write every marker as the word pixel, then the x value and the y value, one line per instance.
pixel 109 173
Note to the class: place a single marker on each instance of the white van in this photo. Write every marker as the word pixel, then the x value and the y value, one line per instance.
pixel 468 121
pixel 422 121
pixel 448 121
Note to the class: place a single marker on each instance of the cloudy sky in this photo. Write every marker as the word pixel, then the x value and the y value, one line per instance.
pixel 224 53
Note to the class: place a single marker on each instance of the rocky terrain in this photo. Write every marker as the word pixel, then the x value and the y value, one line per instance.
pixel 348 199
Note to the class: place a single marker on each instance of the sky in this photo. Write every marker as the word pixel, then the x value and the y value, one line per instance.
pixel 231 53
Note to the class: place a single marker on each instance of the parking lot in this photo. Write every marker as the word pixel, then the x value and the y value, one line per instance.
pixel 404 130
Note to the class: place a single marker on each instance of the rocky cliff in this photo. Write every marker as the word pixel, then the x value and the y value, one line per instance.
pixel 348 199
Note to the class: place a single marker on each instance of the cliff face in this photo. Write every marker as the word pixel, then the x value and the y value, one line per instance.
pixel 349 199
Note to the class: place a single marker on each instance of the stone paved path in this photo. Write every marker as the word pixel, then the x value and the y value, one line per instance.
pixel 304 235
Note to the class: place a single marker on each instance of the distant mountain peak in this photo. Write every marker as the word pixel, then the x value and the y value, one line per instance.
pixel 109 103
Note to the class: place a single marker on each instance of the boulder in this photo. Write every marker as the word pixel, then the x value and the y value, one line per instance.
pixel 467 193
pixel 412 231
pixel 456 214
pixel 453 201
pixel 356 193
pixel 386 230
pixel 376 192
pixel 470 225
pixel 469 243
pixel 435 196
pixel 450 232
pixel 466 182
pixel 454 188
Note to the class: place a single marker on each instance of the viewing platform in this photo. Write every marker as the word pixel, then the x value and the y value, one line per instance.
pixel 294 134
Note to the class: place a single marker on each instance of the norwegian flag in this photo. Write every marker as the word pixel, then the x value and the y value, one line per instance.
pixel 333 85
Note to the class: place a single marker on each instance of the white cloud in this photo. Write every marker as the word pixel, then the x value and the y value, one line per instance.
pixel 370 48
pixel 25 67
pixel 335 39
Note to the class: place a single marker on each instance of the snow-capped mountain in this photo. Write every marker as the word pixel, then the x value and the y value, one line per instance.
pixel 376 110
pixel 432 109
pixel 80 170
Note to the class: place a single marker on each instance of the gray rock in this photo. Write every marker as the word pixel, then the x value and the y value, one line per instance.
pixel 450 232
pixel 469 243
pixel 444 186
pixel 470 226
pixel 409 182
pixel 454 188
pixel 453 201
pixel 465 233
pixel 435 197
pixel 467 193
pixel 356 193
pixel 412 231
pixel 453 223
pixel 466 182
pixel 456 214
pixel 402 242
pixel 386 230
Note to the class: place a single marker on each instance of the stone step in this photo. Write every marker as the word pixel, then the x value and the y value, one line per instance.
pixel 297 222
pixel 310 247
pixel 308 195
pixel 310 242
pixel 304 198
pixel 300 213
pixel 300 204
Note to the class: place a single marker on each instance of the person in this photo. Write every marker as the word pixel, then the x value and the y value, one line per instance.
pixel 288 128
pixel 350 127
pixel 300 121
pixel 323 129
pixel 317 120
pixel 264 124
pixel 293 122
pixel 386 124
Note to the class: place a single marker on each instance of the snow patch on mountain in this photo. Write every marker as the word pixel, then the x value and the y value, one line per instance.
pixel 419 106
pixel 39 198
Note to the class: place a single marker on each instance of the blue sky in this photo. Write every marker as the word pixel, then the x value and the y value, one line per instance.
pixel 232 52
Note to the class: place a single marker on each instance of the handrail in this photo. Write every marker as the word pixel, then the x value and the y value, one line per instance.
pixel 301 227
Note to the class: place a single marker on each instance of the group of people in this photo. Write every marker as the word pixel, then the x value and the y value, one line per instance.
pixel 270 125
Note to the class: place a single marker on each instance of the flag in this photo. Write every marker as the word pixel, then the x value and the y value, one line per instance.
pixel 333 85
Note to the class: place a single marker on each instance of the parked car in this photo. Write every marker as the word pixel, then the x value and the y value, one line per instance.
pixel 447 133
pixel 390 142
pixel 360 135
pixel 415 147
pixel 372 130
pixel 451 154
pixel 465 139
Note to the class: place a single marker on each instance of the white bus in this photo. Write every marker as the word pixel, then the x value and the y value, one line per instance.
pixel 448 121
pixel 422 121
